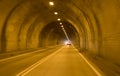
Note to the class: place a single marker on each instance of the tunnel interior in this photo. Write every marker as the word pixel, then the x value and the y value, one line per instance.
pixel 53 34
pixel 92 26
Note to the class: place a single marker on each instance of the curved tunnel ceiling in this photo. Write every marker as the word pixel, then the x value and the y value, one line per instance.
pixel 24 23
pixel 26 16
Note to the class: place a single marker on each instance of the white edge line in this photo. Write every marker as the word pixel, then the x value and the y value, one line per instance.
pixel 27 70
pixel 1 60
pixel 18 55
pixel 91 66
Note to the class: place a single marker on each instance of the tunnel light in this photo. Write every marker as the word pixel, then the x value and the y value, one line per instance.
pixel 60 23
pixel 62 26
pixel 51 3
pixel 56 13
pixel 58 19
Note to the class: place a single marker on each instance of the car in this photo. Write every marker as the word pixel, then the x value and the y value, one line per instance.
pixel 69 44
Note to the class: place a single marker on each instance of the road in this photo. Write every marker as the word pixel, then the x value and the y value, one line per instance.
pixel 59 61
pixel 12 66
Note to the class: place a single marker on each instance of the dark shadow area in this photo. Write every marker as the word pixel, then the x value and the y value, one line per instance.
pixel 53 33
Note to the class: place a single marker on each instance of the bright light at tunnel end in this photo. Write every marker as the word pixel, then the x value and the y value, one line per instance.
pixel 66 42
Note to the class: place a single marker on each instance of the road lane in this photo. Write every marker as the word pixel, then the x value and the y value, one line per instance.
pixel 14 65
pixel 67 62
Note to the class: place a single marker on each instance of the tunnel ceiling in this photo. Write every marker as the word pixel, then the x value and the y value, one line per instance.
pixel 25 19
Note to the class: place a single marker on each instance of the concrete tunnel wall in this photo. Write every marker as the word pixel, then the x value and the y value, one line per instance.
pixel 97 23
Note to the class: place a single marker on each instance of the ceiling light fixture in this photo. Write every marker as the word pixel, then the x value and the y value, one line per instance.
pixel 60 23
pixel 62 26
pixel 56 13
pixel 51 3
pixel 58 19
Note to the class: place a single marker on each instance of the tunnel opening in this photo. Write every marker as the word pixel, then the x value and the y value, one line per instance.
pixel 53 34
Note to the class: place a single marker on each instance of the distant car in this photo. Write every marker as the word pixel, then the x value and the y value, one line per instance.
pixel 69 44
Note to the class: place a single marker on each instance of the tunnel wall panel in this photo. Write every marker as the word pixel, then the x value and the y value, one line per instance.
pixel 16 21
pixel 6 8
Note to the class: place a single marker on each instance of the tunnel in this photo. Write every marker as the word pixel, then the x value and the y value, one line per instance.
pixel 53 34
pixel 92 26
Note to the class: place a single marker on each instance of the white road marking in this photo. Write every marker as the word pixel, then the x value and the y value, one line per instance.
pixel 26 71
pixel 18 56
pixel 2 60
pixel 91 66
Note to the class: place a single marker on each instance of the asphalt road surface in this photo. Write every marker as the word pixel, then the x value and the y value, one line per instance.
pixel 57 61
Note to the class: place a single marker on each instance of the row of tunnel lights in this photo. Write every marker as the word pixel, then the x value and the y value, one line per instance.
pixel 56 13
